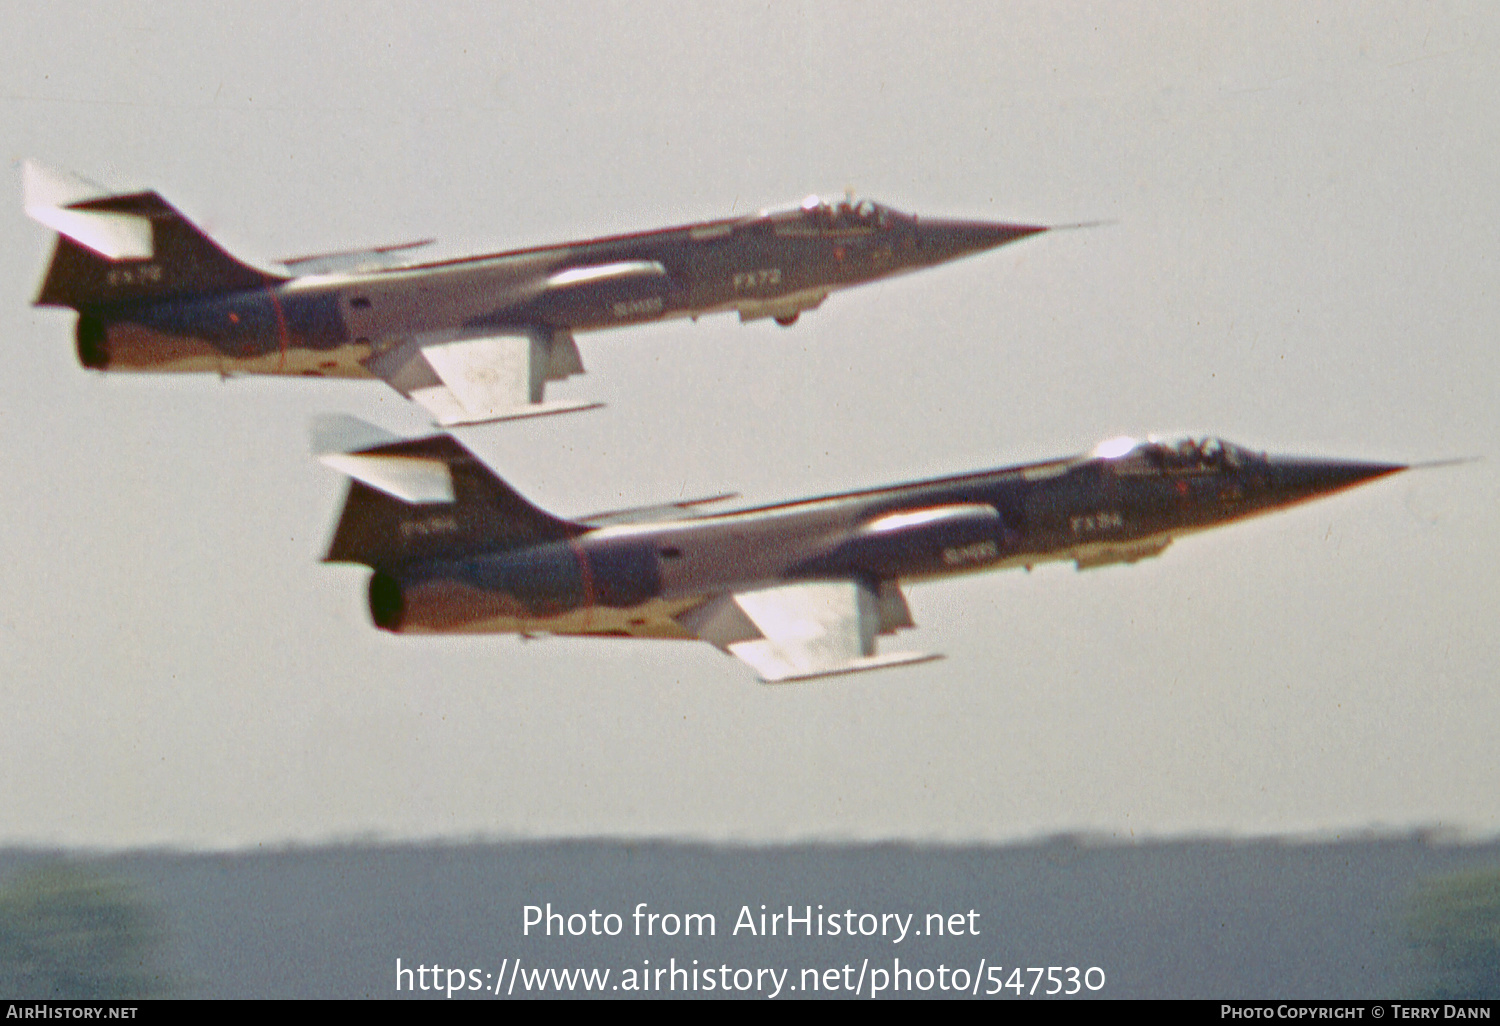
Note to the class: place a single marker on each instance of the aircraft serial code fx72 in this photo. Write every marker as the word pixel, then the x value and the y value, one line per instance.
pixel 472 340
pixel 795 590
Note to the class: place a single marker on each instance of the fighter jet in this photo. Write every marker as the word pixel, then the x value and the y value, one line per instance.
pixel 472 340
pixel 795 590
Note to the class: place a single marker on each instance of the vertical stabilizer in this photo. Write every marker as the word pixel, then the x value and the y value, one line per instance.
pixel 118 249
pixel 424 499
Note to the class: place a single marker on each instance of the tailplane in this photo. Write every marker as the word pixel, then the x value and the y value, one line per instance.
pixel 422 499
pixel 117 249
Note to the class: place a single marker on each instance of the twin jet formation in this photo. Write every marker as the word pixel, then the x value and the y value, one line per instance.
pixel 794 590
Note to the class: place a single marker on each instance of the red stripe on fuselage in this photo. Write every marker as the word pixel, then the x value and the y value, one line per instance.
pixel 280 325
pixel 587 572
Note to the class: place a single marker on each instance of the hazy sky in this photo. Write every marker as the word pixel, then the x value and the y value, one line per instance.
pixel 1304 260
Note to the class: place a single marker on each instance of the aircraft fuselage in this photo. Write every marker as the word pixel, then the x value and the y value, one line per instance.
pixel 772 266
pixel 641 579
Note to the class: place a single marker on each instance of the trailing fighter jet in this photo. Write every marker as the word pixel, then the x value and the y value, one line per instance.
pixel 472 340
pixel 797 589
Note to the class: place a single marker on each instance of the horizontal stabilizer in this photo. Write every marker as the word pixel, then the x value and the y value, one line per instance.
pixel 50 197
pixel 43 186
pixel 345 443
pixel 338 432
pixel 408 478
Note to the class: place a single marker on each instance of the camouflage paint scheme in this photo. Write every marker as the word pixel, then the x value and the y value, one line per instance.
pixel 488 561
pixel 182 304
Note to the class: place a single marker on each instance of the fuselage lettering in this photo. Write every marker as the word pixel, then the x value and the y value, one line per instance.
pixel 977 552
pixel 141 274
pixel 428 527
pixel 638 307
pixel 1092 523
pixel 745 281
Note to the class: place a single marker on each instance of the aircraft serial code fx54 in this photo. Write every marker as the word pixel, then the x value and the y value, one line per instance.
pixel 795 590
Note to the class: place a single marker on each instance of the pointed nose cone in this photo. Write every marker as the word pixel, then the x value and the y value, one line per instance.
pixel 940 240
pixel 1297 480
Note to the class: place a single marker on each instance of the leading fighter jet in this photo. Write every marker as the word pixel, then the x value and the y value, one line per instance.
pixel 796 590
pixel 472 340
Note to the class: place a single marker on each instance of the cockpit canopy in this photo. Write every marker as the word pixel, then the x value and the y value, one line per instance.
pixel 1184 455
pixel 848 212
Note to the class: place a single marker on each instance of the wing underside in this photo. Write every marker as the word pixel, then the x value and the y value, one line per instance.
pixel 468 377
pixel 809 629
pixel 474 380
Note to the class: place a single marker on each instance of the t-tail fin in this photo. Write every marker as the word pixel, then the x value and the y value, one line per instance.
pixel 115 249
pixel 422 499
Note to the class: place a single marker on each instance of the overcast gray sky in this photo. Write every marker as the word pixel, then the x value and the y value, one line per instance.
pixel 1303 260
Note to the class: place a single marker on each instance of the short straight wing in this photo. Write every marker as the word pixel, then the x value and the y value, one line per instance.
pixel 466 380
pixel 798 631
